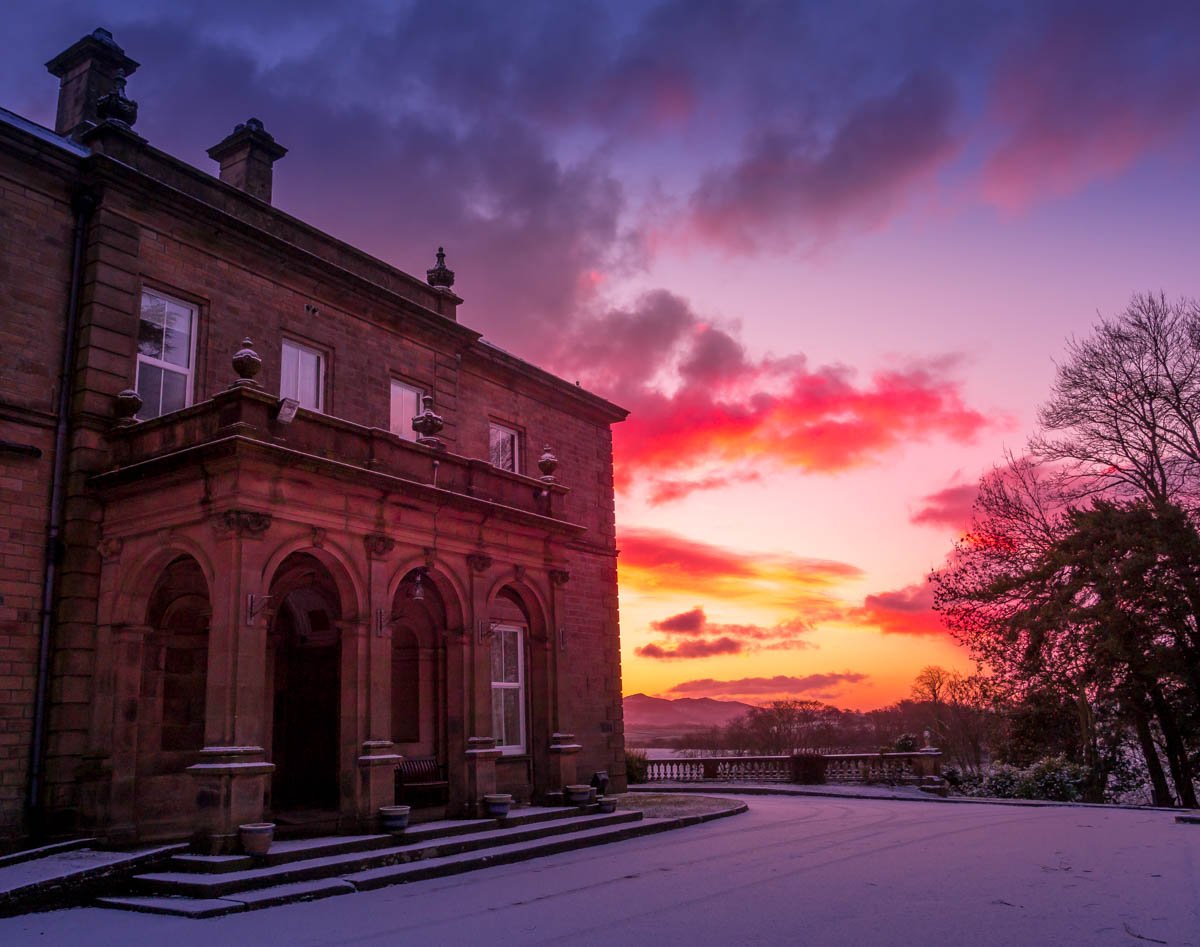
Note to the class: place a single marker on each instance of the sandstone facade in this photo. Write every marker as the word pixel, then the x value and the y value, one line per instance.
pixel 266 589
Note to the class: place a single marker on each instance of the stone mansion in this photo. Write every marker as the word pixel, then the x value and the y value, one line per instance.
pixel 272 520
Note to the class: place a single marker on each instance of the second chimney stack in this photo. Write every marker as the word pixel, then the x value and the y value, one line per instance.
pixel 246 158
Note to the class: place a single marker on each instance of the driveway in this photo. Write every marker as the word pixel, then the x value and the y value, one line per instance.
pixel 800 870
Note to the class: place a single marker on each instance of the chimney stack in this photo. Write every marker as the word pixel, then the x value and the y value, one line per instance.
pixel 246 158
pixel 88 72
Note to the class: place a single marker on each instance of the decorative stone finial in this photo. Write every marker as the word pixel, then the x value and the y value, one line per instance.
pixel 427 424
pixel 547 464
pixel 441 276
pixel 116 106
pixel 128 404
pixel 247 364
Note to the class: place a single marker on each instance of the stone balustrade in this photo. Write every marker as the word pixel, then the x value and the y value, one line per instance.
pixel 248 415
pixel 892 768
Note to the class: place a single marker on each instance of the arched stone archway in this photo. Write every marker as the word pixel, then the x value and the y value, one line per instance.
pixel 304 645
pixel 419 630
pixel 171 709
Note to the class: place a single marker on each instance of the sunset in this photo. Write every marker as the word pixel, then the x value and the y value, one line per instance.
pixel 461 406
pixel 827 262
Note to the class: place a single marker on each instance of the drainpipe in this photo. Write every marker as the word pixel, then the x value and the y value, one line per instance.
pixel 83 204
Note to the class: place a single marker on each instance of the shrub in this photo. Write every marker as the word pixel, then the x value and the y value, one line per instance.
pixel 1003 782
pixel 1053 778
pixel 905 743
pixel 636 767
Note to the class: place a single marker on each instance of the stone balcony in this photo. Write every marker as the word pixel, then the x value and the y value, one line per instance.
pixel 245 419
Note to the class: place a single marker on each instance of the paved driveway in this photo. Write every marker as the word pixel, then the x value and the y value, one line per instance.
pixel 791 871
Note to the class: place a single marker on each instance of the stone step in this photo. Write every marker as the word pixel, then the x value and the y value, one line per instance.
pixel 396 873
pixel 403 850
pixel 299 849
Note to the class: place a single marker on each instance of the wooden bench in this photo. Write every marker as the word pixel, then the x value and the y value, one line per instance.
pixel 420 777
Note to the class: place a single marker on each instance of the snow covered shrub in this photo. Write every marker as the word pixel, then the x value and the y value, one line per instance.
pixel 1002 782
pixel 905 743
pixel 1053 778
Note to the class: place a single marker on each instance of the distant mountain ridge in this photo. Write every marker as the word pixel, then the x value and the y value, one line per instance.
pixel 683 715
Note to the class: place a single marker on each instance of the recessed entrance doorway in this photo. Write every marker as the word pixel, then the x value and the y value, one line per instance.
pixel 304 664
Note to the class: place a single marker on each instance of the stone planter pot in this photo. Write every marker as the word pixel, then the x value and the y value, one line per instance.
pixel 256 837
pixel 577 794
pixel 606 803
pixel 497 804
pixel 394 818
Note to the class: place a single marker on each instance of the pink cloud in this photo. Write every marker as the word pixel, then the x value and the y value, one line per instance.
pixel 765 688
pixel 950 507
pixel 905 611
pixel 1086 96
pixel 707 638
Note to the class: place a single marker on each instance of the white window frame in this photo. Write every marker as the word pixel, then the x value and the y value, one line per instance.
pixel 188 373
pixel 301 348
pixel 510 749
pixel 402 427
pixel 516 438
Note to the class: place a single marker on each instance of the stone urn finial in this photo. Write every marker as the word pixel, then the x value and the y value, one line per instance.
pixel 547 464
pixel 116 106
pixel 441 276
pixel 127 404
pixel 247 364
pixel 427 424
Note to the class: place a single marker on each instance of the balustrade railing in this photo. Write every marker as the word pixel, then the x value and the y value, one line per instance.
pixel 893 768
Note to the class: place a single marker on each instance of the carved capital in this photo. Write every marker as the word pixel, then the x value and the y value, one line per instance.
pixel 110 547
pixel 378 545
pixel 560 577
pixel 242 523
pixel 479 562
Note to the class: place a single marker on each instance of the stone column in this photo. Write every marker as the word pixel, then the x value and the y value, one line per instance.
pixel 563 758
pixel 376 779
pixel 128 643
pixel 232 774
pixel 480 772
pixel 376 763
pixel 230 784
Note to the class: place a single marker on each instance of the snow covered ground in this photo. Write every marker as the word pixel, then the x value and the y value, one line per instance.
pixel 794 870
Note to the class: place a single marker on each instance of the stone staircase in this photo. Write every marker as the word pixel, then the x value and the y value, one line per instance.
pixel 304 869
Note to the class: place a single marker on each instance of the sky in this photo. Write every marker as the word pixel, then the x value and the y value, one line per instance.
pixel 825 253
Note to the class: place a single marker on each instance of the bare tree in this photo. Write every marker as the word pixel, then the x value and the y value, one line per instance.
pixel 1123 413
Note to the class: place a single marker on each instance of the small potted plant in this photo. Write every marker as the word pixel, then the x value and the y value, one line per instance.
pixel 256 837
pixel 497 804
pixel 394 818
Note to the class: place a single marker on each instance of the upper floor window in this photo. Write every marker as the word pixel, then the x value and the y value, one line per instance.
pixel 508 688
pixel 504 447
pixel 406 405
pixel 302 375
pixel 166 353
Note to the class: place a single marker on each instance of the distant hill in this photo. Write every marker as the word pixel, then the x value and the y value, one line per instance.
pixel 648 718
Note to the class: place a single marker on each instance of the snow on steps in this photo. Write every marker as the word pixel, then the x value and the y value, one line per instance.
pixel 314 868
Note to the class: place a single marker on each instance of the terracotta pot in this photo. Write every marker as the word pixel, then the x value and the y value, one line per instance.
pixel 497 804
pixel 256 837
pixel 394 818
